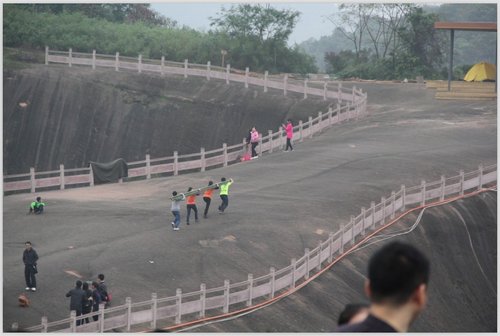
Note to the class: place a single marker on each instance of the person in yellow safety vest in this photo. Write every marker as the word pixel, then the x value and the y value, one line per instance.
pixel 224 193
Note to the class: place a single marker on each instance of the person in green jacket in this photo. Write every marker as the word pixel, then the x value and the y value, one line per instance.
pixel 36 207
pixel 224 193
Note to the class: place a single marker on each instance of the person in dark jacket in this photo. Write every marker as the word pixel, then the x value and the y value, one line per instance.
pixel 30 258
pixel 87 302
pixel 103 289
pixel 398 275
pixel 77 296
pixel 96 299
pixel 353 313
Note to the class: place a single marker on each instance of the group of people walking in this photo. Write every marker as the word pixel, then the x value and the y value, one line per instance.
pixel 223 187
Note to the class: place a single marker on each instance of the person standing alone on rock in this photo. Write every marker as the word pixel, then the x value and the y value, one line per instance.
pixel 254 140
pixel 289 135
pixel 30 258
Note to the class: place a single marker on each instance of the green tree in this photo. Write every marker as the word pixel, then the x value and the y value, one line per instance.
pixel 421 47
pixel 257 35
pixel 261 21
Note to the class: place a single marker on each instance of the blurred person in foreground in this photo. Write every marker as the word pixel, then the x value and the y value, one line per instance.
pixel 398 275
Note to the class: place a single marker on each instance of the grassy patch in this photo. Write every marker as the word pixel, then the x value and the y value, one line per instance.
pixel 14 58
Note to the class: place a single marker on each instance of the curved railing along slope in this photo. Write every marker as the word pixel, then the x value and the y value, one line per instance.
pixel 257 290
pixel 354 107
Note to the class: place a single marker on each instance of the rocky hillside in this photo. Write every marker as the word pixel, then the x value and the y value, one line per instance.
pixel 55 114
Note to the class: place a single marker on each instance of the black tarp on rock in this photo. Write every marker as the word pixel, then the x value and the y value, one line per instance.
pixel 110 171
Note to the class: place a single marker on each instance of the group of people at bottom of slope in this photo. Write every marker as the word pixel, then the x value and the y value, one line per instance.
pixel 253 138
pixel 223 187
pixel 85 300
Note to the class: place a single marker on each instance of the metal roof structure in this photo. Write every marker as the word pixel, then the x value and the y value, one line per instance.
pixel 470 26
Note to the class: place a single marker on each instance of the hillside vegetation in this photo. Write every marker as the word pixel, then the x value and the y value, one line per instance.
pixel 252 36
pixel 393 41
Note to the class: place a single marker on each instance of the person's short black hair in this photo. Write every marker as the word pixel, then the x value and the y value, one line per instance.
pixel 210 182
pixel 223 179
pixel 78 283
pixel 395 271
pixel 174 193
pixel 349 311
pixel 85 286
pixel 38 198
pixel 28 242
pixel 95 284
pixel 101 276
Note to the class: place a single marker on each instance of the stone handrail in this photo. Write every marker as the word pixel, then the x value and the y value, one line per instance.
pixel 354 107
pixel 256 290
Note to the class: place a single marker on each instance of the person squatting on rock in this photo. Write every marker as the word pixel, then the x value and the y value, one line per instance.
pixel 207 198
pixel 289 135
pixel 30 258
pixel 398 275
pixel 254 140
pixel 191 205
pixel 36 206
pixel 77 300
pixel 224 193
pixel 176 211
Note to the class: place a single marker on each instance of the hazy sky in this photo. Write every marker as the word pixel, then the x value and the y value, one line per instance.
pixel 312 22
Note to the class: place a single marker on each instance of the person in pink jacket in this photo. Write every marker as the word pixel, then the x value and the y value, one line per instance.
pixel 289 135
pixel 254 140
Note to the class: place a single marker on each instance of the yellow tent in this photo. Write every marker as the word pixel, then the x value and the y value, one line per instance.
pixel 480 72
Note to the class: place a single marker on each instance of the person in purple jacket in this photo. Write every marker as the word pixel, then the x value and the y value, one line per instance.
pixel 289 135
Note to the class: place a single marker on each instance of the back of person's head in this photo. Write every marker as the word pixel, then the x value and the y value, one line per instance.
pixel 395 272
pixel 94 284
pixel 351 311
pixel 38 199
pixel 78 284
pixel 190 188
pixel 85 286
pixel 101 277
pixel 174 193
pixel 210 183
pixel 223 179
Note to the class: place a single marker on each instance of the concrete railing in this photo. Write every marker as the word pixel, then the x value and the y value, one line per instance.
pixel 232 296
pixel 353 106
